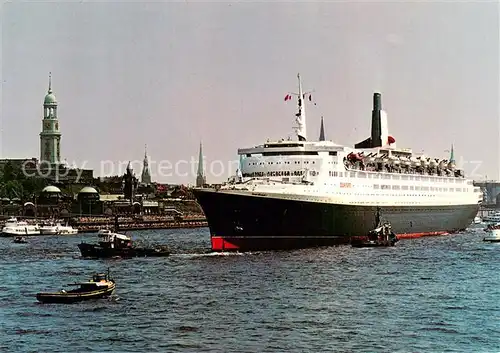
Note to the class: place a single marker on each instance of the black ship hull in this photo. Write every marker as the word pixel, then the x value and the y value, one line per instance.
pixel 246 222
pixel 98 252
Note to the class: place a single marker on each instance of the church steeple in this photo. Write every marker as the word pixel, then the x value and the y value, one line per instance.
pixel 50 82
pixel 322 131
pixel 146 175
pixel 50 137
pixel 200 177
pixel 452 155
pixel 451 163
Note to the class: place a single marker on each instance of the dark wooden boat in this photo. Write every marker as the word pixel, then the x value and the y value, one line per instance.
pixel 112 244
pixel 100 286
pixel 20 240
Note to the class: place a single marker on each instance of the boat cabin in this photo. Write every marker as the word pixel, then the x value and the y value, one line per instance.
pixel 98 277
pixel 108 239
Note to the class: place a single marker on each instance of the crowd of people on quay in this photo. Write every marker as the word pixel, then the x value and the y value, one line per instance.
pixel 94 223
pixel 85 224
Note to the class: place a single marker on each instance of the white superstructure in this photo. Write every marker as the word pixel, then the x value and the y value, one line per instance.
pixel 323 171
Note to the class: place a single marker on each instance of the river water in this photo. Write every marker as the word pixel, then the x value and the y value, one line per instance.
pixel 437 294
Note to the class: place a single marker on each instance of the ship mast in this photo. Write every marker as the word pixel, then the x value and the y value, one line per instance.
pixel 301 114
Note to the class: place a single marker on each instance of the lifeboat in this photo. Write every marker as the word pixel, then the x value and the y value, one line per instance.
pixel 394 160
pixel 354 157
pixel 443 164
pixel 370 159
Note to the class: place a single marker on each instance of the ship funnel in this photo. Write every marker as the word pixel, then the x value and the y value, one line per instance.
pixel 379 131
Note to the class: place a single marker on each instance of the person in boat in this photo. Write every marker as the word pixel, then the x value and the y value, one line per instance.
pixel 390 235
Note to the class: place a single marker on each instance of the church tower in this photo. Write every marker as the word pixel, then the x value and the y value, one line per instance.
pixel 50 137
pixel 200 177
pixel 146 175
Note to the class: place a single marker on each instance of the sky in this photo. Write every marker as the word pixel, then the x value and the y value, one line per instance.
pixel 172 74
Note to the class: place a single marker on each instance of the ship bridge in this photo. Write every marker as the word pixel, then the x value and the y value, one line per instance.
pixel 291 148
pixel 289 158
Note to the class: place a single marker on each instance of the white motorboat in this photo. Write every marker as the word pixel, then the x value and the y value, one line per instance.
pixel 493 233
pixel 52 228
pixel 48 228
pixel 66 230
pixel 13 227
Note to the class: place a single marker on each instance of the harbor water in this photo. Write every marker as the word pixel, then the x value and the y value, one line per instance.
pixel 437 294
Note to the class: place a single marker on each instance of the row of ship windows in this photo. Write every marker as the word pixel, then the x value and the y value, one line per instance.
pixel 398 195
pixel 286 162
pixel 285 173
pixel 377 194
pixel 417 188
pixel 396 177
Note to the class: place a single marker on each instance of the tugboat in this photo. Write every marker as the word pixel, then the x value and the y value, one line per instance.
pixel 114 244
pixel 381 236
pixel 100 286
pixel 20 240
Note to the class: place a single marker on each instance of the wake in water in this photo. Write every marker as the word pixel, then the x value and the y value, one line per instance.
pixel 209 253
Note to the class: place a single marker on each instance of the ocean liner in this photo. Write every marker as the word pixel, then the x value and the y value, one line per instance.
pixel 291 194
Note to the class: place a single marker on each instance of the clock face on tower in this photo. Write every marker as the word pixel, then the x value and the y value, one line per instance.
pixel 57 126
pixel 47 125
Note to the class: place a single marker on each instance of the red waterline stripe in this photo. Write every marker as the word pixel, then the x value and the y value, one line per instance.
pixel 220 244
pixel 419 235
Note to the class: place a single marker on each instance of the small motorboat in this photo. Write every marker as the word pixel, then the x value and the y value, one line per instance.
pixel 382 236
pixel 493 233
pixel 20 240
pixel 100 286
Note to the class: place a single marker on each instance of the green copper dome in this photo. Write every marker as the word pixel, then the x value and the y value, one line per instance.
pixel 88 190
pixel 50 98
pixel 51 188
